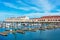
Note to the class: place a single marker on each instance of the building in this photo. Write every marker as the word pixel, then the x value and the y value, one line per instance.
pixel 42 21
pixel 48 18
pixel 27 19
pixel 17 19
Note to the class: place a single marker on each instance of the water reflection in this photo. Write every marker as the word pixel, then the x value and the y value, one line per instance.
pixel 53 34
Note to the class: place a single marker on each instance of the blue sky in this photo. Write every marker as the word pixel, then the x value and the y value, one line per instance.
pixel 30 8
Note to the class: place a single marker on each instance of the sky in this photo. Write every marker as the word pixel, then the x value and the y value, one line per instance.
pixel 30 8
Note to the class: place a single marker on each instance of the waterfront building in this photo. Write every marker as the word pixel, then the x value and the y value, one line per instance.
pixel 48 18
pixel 17 19
pixel 23 20
pixel 49 21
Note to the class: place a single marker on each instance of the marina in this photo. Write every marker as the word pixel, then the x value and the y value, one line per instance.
pixel 31 26
pixel 35 34
pixel 29 19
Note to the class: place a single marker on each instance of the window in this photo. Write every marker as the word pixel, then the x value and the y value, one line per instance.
pixel 48 20
pixel 55 20
pixel 58 20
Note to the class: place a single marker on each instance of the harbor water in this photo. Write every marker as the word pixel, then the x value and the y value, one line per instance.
pixel 52 34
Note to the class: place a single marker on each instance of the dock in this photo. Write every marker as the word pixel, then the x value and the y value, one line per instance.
pixel 3 33
pixel 20 31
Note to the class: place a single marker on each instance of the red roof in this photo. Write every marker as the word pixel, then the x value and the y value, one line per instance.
pixel 48 17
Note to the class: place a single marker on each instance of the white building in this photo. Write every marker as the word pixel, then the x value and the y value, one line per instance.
pixel 14 19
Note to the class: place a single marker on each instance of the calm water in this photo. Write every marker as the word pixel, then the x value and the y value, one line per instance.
pixel 53 34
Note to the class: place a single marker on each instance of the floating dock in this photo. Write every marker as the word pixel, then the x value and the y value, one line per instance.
pixel 20 31
pixel 3 33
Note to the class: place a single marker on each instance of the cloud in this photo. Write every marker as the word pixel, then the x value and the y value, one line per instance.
pixel 29 6
pixel 20 8
pixel 4 15
pixel 20 2
pixel 45 4
pixel 13 6
pixel 58 10
pixel 39 3
pixel 9 5
pixel 35 15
